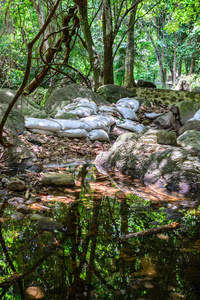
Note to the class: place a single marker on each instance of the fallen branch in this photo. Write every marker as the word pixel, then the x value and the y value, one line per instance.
pixel 151 231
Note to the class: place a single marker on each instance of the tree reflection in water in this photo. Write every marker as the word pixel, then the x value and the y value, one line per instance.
pixel 88 260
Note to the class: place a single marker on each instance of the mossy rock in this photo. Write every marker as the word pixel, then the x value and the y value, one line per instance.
pixel 112 93
pixel 7 95
pixel 190 126
pixel 60 97
pixel 15 121
pixel 187 109
pixel 67 116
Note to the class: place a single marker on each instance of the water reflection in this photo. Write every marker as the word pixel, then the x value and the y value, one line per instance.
pixel 87 259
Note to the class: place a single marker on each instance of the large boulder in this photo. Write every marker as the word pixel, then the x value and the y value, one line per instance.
pixel 60 97
pixel 183 85
pixel 15 121
pixel 190 139
pixel 26 107
pixel 18 157
pixel 146 84
pixel 196 90
pixel 6 96
pixel 187 109
pixel 169 167
pixel 112 93
pixel 190 126
pixel 165 121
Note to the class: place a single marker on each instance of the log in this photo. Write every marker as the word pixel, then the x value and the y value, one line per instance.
pixel 159 229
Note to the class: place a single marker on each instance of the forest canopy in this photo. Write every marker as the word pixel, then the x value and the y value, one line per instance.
pixel 98 42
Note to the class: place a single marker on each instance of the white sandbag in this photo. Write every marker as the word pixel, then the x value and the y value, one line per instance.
pixel 73 133
pixel 44 124
pixel 107 120
pixel 95 122
pixel 124 104
pixel 90 105
pixel 108 109
pixel 196 117
pixel 73 124
pixel 152 115
pixel 127 113
pixel 134 104
pixel 82 112
pixel 98 135
pixel 40 131
pixel 130 125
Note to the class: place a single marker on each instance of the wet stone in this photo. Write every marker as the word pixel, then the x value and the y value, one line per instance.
pixel 16 185
pixel 48 224
pixel 58 179
pixel 35 217
pixel 23 209
pixel 18 216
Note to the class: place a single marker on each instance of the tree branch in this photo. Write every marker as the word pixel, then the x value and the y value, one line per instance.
pixel 27 72
pixel 171 226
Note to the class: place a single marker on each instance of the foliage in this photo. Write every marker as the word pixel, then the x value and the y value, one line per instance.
pixel 22 24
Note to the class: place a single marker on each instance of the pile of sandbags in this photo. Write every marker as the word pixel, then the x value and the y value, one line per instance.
pixel 93 122
pixel 95 128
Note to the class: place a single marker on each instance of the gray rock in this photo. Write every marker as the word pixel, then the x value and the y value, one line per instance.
pixel 146 84
pixel 48 224
pixel 16 185
pixel 157 136
pixel 35 217
pixel 189 139
pixel 18 216
pixel 13 126
pixel 169 167
pixel 58 179
pixel 24 209
pixel 7 95
pixel 187 109
pixel 196 90
pixel 183 85
pixel 192 125
pixel 166 121
pixel 112 93
pixel 15 121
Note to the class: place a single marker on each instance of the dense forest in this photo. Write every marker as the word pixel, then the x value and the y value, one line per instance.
pixel 44 43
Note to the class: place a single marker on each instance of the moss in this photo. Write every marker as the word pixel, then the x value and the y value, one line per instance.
pixel 67 116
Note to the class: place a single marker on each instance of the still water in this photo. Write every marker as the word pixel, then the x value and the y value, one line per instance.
pixel 86 258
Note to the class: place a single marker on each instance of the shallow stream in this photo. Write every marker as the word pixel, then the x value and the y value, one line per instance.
pixel 87 258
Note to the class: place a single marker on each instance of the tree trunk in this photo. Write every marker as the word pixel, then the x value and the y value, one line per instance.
pixel 94 60
pixel 186 67
pixel 108 43
pixel 175 55
pixel 192 64
pixel 129 61
pixel 41 19
pixel 180 67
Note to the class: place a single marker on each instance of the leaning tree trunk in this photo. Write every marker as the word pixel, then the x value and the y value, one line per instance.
pixel 129 61
pixel 108 43
pixel 94 60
